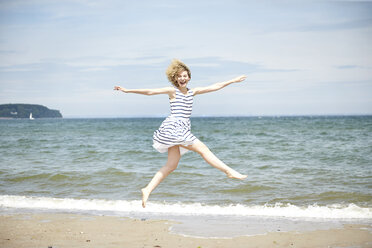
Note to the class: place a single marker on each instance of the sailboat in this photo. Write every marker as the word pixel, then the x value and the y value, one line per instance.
pixel 31 118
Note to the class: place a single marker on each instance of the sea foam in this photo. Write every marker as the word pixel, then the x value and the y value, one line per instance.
pixel 123 207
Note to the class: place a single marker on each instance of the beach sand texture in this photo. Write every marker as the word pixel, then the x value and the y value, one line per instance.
pixel 73 230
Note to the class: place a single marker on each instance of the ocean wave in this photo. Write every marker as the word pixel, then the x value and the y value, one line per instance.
pixel 334 211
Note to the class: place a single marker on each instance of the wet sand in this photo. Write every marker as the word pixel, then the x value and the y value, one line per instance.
pixel 74 230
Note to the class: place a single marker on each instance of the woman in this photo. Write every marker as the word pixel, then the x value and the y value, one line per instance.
pixel 174 135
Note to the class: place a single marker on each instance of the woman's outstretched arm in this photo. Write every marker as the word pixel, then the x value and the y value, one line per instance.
pixel 148 92
pixel 218 86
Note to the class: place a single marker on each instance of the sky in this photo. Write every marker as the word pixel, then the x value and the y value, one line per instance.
pixel 300 57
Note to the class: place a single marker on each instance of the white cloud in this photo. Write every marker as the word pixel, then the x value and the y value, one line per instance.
pixel 73 52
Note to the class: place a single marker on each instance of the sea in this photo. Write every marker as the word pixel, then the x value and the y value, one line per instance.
pixel 304 172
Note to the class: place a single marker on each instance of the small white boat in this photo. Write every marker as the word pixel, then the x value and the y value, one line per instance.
pixel 31 118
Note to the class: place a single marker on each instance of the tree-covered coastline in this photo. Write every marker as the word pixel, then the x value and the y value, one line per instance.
pixel 24 111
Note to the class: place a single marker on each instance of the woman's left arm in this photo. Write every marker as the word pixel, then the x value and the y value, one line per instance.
pixel 218 86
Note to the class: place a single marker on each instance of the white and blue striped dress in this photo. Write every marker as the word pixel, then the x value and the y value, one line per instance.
pixel 176 128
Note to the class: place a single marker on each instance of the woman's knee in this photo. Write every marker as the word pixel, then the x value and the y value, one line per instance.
pixel 171 165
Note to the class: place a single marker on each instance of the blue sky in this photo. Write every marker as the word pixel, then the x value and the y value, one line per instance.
pixel 301 57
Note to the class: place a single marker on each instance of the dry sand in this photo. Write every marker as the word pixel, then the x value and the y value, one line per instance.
pixel 72 230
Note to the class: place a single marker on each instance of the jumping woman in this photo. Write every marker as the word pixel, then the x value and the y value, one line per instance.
pixel 174 134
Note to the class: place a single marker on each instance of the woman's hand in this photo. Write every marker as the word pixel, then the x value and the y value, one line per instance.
pixel 239 79
pixel 119 88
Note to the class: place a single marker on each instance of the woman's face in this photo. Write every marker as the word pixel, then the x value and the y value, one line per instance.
pixel 182 79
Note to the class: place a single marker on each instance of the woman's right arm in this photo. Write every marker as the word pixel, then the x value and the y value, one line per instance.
pixel 148 92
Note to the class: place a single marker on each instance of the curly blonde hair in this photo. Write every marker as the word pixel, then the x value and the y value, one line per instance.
pixel 174 69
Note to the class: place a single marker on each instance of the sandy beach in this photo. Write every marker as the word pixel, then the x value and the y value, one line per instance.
pixel 73 230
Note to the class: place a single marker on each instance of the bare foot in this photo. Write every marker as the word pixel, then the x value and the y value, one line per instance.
pixel 236 175
pixel 145 196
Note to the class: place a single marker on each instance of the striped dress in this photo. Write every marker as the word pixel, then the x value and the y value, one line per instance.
pixel 176 128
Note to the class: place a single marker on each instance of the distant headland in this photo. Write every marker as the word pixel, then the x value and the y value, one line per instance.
pixel 30 111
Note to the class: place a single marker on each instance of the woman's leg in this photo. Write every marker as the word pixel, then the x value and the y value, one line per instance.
pixel 173 159
pixel 211 159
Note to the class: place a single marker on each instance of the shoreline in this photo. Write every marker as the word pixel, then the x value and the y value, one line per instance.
pixel 78 230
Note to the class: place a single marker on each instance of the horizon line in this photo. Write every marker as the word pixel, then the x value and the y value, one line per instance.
pixel 215 116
